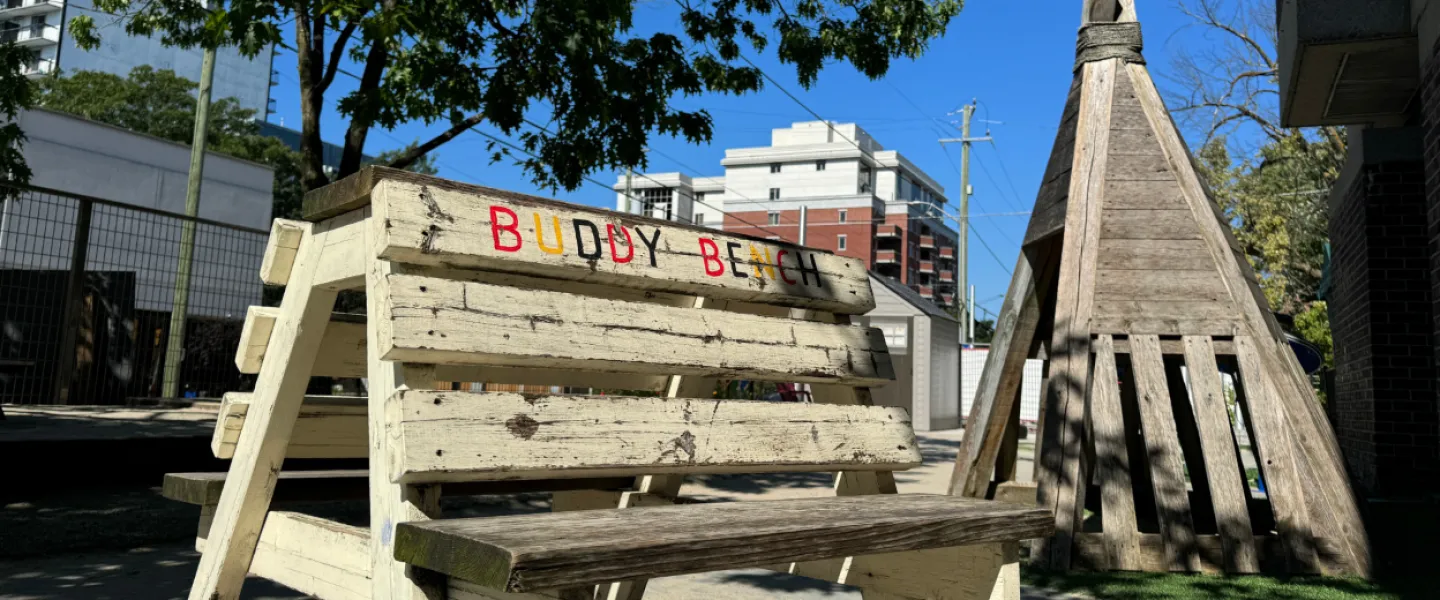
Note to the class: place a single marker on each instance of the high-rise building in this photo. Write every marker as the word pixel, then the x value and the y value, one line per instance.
pixel 40 26
pixel 860 200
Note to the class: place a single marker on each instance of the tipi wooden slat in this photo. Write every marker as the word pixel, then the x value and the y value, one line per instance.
pixel 1162 444
pixel 1144 267
pixel 1227 488
pixel 1117 506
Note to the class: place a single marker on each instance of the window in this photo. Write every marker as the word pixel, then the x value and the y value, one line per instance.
pixel 655 202
pixel 819 165
pixel 773 218
pixel 866 183
pixel 774 193
pixel 699 218
pixel 894 335
pixel 774 167
pixel 843 217
pixel 840 242
pixel 700 197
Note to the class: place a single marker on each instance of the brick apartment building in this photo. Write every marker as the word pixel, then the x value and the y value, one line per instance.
pixel 858 200
pixel 1377 71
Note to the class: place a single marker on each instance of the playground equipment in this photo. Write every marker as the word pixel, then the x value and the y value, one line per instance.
pixel 1131 284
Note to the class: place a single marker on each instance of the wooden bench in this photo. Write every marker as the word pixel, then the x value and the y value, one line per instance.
pixel 471 284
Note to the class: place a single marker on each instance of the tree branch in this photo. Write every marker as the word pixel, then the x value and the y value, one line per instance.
pixel 364 115
pixel 416 153
pixel 337 53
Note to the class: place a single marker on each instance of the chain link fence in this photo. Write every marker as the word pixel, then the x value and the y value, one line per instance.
pixel 86 291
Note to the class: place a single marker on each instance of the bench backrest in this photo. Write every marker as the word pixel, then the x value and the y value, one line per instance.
pixel 475 279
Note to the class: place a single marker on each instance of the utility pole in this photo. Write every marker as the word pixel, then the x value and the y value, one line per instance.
pixel 967 314
pixel 175 348
pixel 629 173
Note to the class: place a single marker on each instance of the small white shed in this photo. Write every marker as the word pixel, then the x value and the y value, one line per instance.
pixel 924 344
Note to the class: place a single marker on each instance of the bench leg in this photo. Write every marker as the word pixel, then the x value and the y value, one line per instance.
pixel 976 572
pixel 391 503
pixel 295 340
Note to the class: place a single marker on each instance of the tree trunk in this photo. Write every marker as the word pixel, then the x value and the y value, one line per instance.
pixel 312 99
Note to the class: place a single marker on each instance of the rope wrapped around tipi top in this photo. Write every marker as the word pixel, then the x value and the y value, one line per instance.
pixel 1101 41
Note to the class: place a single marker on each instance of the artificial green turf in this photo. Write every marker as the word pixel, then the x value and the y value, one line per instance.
pixel 1175 586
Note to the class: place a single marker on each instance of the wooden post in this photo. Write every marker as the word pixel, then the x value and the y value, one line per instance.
pixel 74 292
pixel 275 405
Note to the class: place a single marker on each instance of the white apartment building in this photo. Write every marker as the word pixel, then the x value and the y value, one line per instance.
pixel 816 164
pixel 860 200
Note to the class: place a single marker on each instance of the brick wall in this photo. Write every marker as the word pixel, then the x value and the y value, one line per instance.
pixel 1381 319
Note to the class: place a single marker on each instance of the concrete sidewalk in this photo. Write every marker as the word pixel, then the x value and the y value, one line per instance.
pixel 163 571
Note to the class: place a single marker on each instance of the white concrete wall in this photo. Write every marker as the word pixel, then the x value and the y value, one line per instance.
pixel 91 159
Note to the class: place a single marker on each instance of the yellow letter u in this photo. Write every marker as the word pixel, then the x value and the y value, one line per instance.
pixel 540 236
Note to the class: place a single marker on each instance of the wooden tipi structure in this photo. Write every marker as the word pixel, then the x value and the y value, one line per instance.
pixel 1132 286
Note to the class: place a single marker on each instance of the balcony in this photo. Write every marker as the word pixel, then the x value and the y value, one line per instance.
pixel 32 36
pixel 925 291
pixel 947 253
pixel 947 275
pixel 1342 65
pixel 927 241
pixel 887 231
pixel 37 68
pixel 927 266
pixel 14 9
pixel 886 257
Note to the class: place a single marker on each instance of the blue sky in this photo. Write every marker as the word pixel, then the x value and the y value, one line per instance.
pixel 1015 56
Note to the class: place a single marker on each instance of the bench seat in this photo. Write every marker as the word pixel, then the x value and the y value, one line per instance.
pixel 528 553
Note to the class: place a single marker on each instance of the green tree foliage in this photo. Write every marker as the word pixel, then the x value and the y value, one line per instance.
pixel 1273 182
pixel 15 95
pixel 606 86
pixel 1276 202
pixel 984 331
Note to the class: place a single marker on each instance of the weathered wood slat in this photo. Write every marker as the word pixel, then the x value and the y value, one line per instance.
pixel 1149 224
pixel 1090 553
pixel 466 435
pixel 1112 461
pixel 313 556
pixel 328 427
pixel 1167 465
pixel 1228 491
pixel 1155 255
pixel 1222 347
pixel 280 251
pixel 342 354
pixel 450 322
pixel 1128 118
pixel 1163 317
pixel 1000 379
pixel 1191 286
pixel 1062 424
pixel 536 552
pixel 1138 167
pixel 1274 448
pixel 429 221
pixel 1130 195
